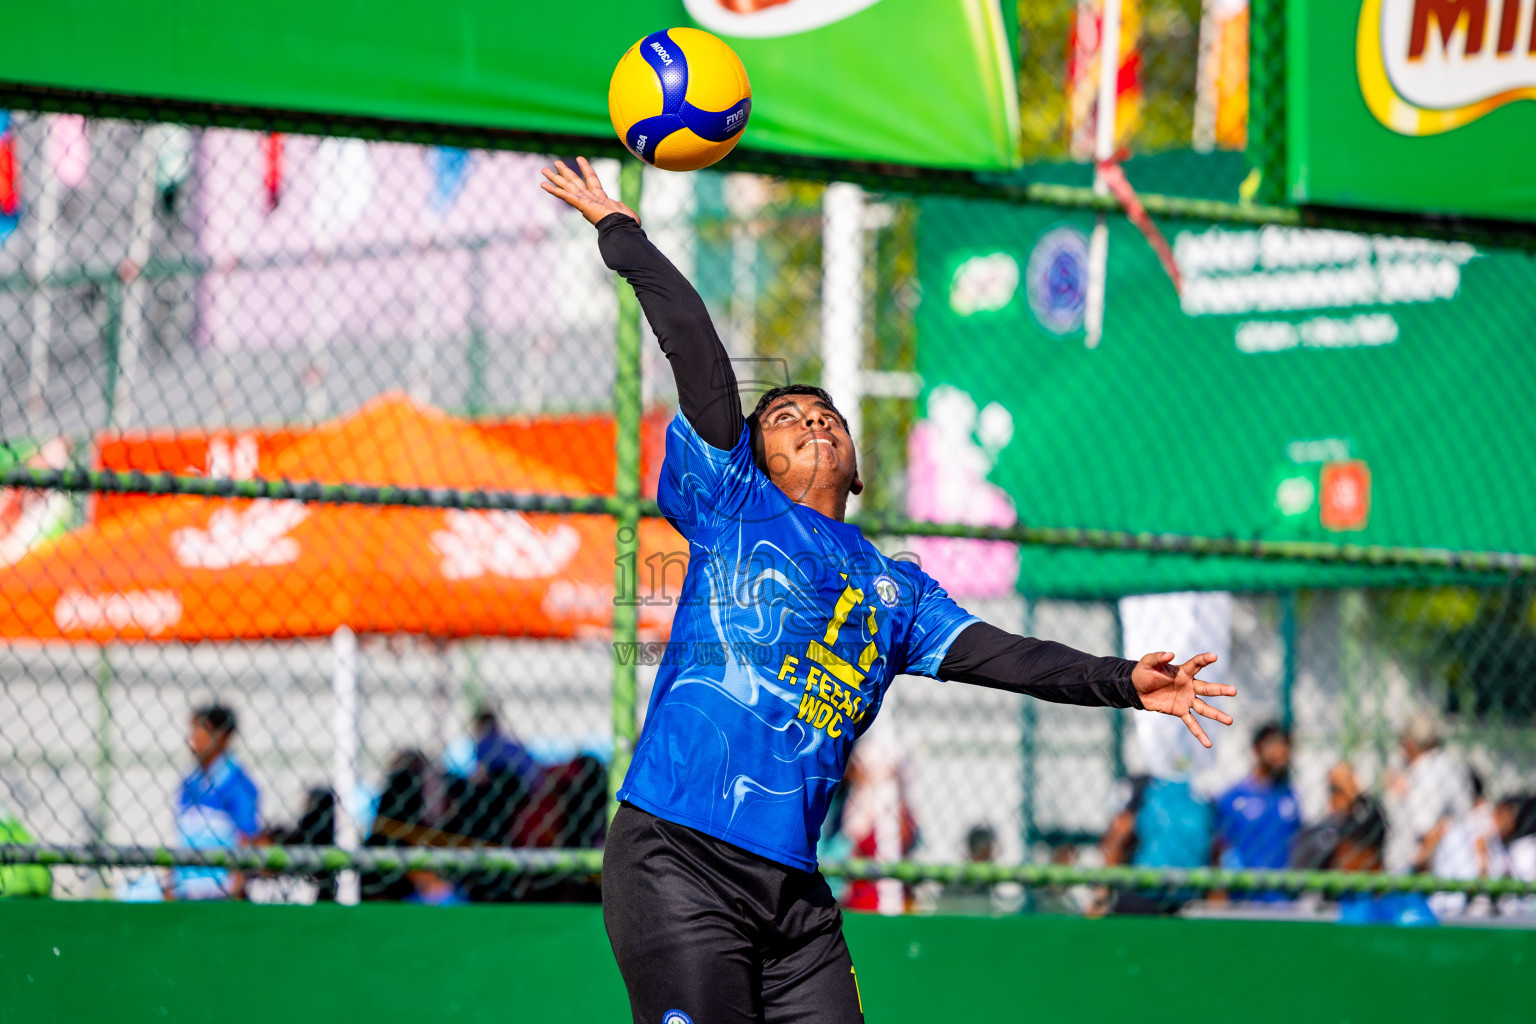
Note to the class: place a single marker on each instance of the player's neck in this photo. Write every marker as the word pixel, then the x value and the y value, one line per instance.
pixel 828 503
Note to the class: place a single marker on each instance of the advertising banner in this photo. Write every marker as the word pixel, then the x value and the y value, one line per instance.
pixel 1305 385
pixel 1425 106
pixel 897 81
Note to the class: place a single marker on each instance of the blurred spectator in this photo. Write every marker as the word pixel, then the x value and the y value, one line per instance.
pixel 1362 836
pixel 877 822
pixel 412 807
pixel 982 897
pixel 316 827
pixel 498 752
pixel 317 822
pixel 1163 824
pixel 1470 848
pixel 216 807
pixel 981 845
pixel 20 879
pixel 1515 819
pixel 1424 798
pixel 1257 819
pixel 1314 845
pixel 503 784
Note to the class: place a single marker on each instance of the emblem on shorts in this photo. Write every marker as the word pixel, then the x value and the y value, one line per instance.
pixel 886 590
pixel 676 1017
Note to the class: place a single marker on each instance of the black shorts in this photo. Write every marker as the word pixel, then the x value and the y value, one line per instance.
pixel 705 932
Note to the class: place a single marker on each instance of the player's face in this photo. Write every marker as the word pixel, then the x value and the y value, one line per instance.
pixel 806 447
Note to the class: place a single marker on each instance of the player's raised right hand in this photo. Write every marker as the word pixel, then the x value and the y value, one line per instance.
pixel 583 191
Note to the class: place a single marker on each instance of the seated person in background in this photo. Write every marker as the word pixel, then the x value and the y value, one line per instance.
pixel 1257 819
pixel 1361 838
pixel 984 897
pixel 316 827
pixel 1313 847
pixel 1164 824
pixel 505 781
pixel 1470 848
pixel 412 810
pixel 1515 819
pixel 215 807
pixel 1423 798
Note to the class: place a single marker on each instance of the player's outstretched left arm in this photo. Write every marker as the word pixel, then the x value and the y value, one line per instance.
pixel 987 656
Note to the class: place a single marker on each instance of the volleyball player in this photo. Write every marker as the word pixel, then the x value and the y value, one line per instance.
pixel 790 626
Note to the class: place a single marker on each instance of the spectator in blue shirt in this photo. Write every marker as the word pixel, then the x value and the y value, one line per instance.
pixel 1257 819
pixel 497 752
pixel 216 806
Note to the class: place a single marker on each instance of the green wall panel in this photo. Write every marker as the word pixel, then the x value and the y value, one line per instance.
pixel 243 964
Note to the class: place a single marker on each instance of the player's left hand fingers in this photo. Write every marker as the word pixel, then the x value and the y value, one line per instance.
pixel 1193 666
pixel 565 182
pixel 569 178
pixel 589 176
pixel 1194 726
pixel 1206 689
pixel 1215 714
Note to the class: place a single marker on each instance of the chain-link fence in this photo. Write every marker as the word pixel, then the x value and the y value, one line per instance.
pixel 325 465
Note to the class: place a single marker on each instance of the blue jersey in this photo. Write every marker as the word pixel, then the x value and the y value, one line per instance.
pixel 789 628
pixel 215 809
pixel 1257 823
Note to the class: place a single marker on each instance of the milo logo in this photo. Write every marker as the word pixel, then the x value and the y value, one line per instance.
pixel 1428 66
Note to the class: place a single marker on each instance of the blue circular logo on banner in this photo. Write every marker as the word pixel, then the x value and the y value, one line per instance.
pixel 1056 279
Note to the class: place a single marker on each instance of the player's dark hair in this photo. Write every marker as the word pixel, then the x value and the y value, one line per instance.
pixel 754 418
pixel 217 718
pixel 1268 731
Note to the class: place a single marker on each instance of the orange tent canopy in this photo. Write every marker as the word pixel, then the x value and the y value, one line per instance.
pixel 190 569
pixel 581 444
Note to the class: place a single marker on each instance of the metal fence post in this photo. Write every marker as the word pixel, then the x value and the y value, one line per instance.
pixel 627 414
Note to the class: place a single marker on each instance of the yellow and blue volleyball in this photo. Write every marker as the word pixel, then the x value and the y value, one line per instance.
pixel 679 99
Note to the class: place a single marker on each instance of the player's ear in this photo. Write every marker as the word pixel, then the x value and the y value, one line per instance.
pixel 857 487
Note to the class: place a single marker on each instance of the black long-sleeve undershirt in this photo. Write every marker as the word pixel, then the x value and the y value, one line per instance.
pixel 706 384
pixel 987 656
pixel 708 397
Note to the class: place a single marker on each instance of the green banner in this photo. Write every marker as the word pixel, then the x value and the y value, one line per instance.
pixel 1304 386
pixel 898 81
pixel 1424 106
